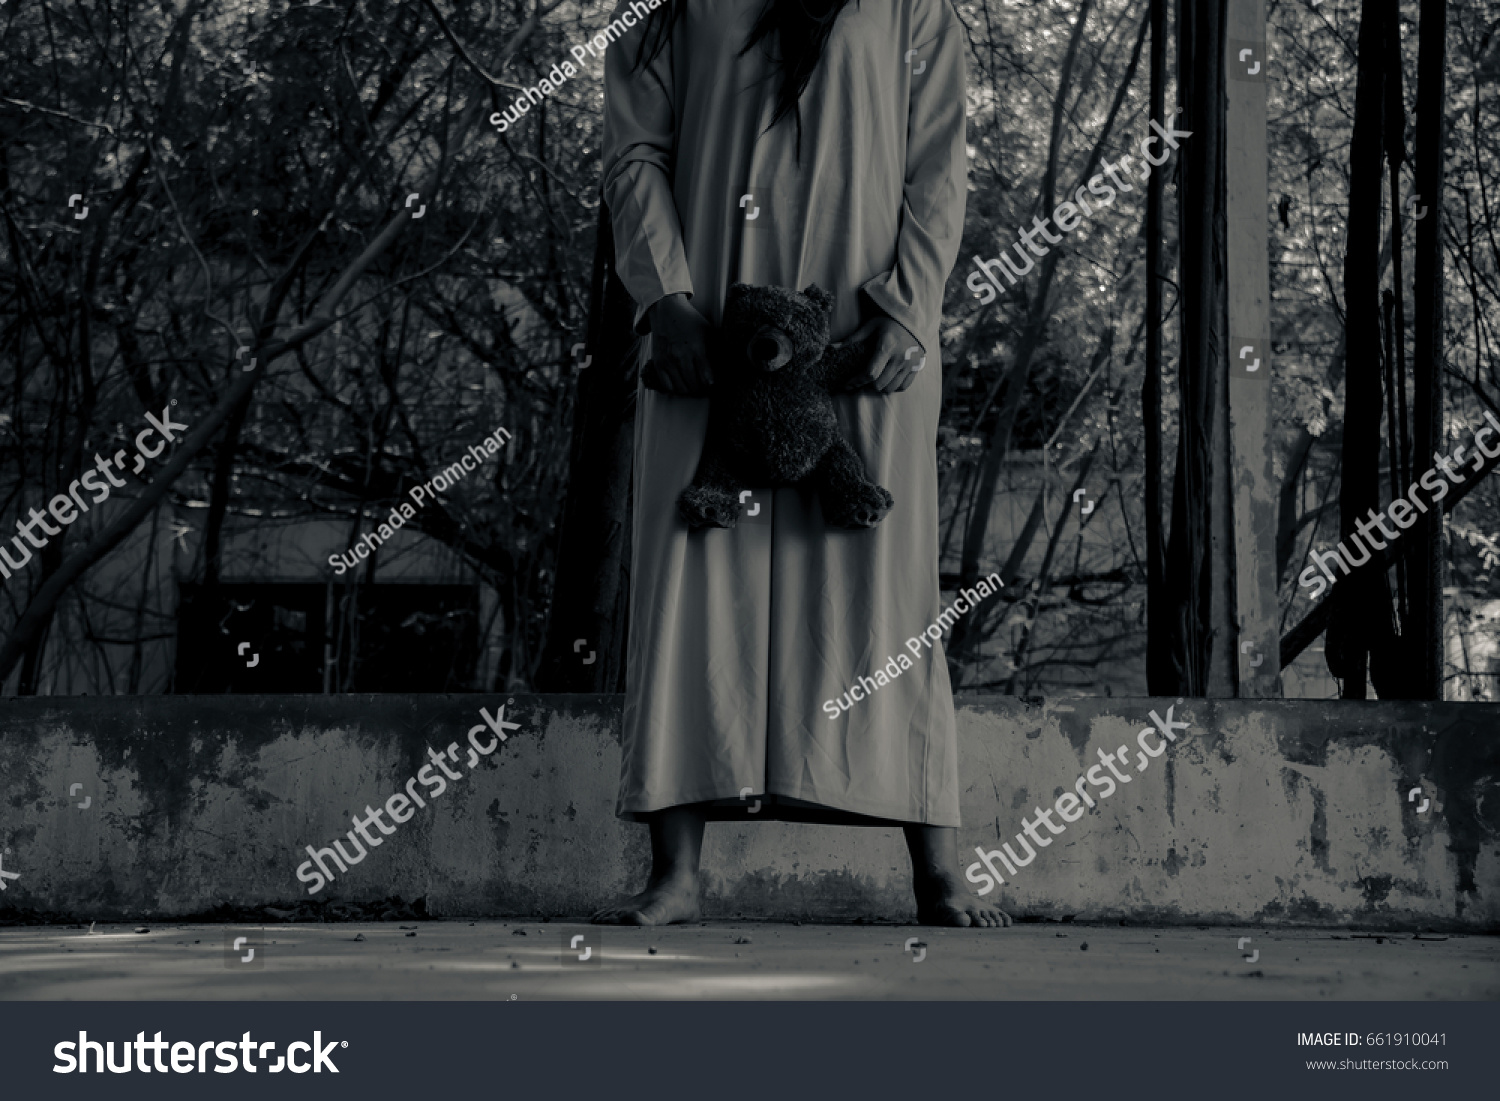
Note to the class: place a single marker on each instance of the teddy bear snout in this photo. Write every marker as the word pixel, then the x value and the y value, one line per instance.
pixel 770 349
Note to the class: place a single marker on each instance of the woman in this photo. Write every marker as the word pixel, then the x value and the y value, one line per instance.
pixel 788 142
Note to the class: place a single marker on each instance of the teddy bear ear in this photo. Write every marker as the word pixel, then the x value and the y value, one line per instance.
pixel 821 298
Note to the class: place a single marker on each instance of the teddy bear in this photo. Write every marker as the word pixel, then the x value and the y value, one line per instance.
pixel 771 420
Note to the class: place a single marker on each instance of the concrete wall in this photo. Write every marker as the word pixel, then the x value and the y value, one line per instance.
pixel 1275 811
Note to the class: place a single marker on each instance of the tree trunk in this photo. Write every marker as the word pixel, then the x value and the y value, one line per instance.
pixel 1315 622
pixel 1159 675
pixel 1361 624
pixel 590 599
pixel 1426 576
pixel 221 491
pixel 1200 561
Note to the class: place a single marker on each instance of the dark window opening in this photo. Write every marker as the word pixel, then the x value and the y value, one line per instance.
pixel 275 638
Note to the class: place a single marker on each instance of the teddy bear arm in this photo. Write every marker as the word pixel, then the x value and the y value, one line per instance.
pixel 848 497
pixel 712 499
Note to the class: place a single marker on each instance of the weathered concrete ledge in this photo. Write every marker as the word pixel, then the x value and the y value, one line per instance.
pixel 1288 812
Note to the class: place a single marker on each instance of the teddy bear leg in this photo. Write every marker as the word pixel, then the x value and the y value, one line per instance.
pixel 711 501
pixel 849 499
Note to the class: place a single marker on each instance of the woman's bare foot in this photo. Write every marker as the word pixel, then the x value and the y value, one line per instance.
pixel 942 898
pixel 665 903
pixel 942 903
pixel 671 894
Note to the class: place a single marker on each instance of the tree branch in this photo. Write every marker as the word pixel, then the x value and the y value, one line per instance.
pixel 1300 637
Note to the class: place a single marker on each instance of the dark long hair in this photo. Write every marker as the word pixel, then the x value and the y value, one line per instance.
pixel 801 28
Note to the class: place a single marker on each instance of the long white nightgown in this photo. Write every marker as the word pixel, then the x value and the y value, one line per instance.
pixel 738 637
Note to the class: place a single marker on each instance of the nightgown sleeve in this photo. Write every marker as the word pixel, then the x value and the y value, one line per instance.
pixel 638 152
pixel 932 211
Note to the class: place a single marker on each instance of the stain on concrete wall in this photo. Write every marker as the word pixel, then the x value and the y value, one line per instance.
pixel 1276 811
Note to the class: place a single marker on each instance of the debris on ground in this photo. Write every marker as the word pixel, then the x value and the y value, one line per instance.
pixel 742 940
pixel 781 965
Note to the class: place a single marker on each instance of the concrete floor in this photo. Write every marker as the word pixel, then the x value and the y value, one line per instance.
pixel 490 960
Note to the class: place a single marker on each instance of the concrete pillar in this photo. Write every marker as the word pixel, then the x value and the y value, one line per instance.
pixel 1247 65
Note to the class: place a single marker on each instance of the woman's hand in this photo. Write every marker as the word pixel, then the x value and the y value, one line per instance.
pixel 679 349
pixel 896 358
